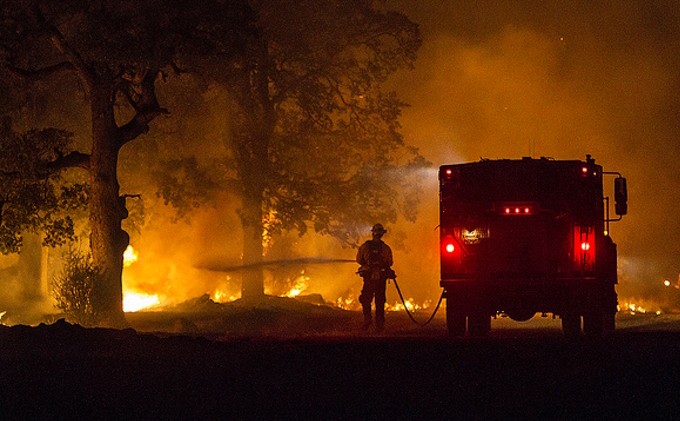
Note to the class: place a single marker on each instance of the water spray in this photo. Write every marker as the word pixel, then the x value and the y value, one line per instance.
pixel 218 267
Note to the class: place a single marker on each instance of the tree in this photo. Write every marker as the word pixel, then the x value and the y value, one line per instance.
pixel 314 135
pixel 33 198
pixel 316 138
pixel 116 52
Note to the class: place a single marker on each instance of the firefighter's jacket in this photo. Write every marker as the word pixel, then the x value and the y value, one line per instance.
pixel 375 258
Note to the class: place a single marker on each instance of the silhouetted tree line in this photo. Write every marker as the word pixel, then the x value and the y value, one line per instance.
pixel 313 139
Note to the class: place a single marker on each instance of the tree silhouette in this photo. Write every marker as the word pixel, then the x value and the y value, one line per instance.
pixel 116 53
pixel 314 134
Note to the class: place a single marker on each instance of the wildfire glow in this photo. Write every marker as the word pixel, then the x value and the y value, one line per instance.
pixel 130 256
pixel 136 301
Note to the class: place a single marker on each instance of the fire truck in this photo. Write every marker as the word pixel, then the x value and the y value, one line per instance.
pixel 527 236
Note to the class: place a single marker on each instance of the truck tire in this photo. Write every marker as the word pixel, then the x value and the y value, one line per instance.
pixel 592 324
pixel 609 322
pixel 479 325
pixel 455 320
pixel 599 323
pixel 571 325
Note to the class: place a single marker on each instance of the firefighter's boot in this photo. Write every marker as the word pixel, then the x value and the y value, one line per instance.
pixel 367 317
pixel 379 317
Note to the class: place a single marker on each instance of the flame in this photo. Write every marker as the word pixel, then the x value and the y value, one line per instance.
pixel 135 301
pixel 220 296
pixel 301 284
pixel 351 302
pixel 347 303
pixel 409 305
pixel 638 308
pixel 130 256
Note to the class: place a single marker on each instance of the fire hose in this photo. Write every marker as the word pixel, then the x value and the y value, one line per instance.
pixel 441 297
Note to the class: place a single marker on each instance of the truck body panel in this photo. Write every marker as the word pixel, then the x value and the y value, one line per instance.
pixel 525 236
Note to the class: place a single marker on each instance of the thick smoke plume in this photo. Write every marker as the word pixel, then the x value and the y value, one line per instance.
pixel 503 79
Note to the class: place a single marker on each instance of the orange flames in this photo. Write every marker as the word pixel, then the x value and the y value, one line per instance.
pixel 135 300
pixel 639 307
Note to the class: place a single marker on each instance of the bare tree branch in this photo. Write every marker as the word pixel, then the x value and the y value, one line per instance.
pixel 42 73
pixel 60 43
pixel 146 106
pixel 72 160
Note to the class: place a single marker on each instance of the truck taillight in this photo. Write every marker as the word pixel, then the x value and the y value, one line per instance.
pixel 588 171
pixel 449 246
pixel 451 253
pixel 584 248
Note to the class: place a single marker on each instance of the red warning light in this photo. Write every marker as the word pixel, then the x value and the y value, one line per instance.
pixel 519 209
pixel 450 248
pixel 584 247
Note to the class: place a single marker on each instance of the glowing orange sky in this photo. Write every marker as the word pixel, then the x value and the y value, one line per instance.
pixel 506 79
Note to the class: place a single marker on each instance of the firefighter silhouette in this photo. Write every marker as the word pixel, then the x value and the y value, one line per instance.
pixel 375 258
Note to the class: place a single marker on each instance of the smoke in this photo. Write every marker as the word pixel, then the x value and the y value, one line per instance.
pixel 504 79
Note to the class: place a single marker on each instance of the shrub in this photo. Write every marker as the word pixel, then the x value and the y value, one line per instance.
pixel 73 289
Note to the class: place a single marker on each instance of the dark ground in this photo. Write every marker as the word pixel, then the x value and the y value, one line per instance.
pixel 280 362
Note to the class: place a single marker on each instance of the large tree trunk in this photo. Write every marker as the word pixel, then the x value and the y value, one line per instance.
pixel 253 119
pixel 252 283
pixel 107 210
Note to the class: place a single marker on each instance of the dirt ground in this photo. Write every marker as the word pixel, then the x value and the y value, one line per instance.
pixel 290 361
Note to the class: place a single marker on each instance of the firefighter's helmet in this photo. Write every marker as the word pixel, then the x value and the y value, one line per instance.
pixel 378 229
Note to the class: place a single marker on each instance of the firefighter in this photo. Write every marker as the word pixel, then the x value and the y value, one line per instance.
pixel 375 258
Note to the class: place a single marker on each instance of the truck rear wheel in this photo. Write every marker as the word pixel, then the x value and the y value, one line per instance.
pixel 592 324
pixel 571 325
pixel 479 324
pixel 609 322
pixel 455 320
pixel 599 323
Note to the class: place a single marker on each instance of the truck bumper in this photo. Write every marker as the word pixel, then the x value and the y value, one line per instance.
pixel 541 294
